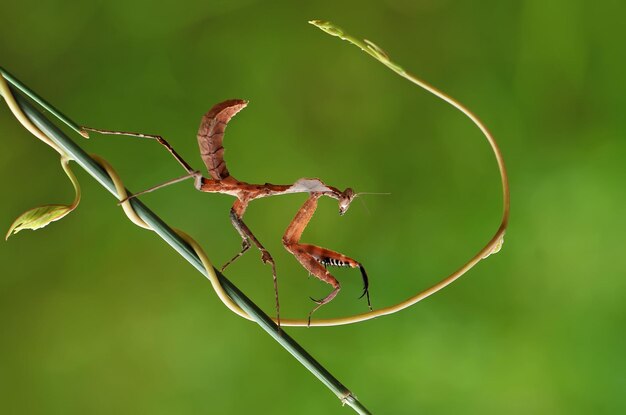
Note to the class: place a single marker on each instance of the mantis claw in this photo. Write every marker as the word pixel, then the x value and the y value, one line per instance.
pixel 365 286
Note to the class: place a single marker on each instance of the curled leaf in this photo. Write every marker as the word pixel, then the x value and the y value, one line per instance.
pixel 367 46
pixel 328 27
pixel 43 215
pixel 38 218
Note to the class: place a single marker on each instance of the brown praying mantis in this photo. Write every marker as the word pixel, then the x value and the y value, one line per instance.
pixel 314 259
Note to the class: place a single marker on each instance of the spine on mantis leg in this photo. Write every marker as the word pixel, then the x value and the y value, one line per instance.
pixel 211 135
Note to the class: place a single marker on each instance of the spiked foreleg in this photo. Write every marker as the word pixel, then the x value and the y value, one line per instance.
pixel 236 217
pixel 327 257
pixel 300 222
pixel 314 258
pixel 311 264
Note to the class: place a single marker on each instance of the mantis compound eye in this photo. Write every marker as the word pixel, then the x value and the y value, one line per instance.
pixel 345 199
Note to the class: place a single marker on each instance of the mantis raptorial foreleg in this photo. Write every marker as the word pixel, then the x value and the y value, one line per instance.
pixel 314 258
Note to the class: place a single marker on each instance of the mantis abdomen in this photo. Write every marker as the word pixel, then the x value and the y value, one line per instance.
pixel 211 136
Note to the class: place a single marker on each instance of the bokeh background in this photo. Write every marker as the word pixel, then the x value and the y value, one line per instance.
pixel 100 317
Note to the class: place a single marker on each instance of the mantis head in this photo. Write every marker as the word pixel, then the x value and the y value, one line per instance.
pixel 345 198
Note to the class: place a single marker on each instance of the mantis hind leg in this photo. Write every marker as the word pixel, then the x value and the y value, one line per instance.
pixel 154 137
pixel 191 173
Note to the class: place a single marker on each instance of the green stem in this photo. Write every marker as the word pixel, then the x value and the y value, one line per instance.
pixel 44 104
pixel 169 236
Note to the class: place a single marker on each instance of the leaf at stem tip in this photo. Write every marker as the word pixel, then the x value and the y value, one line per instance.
pixel 38 217
pixel 327 27
pixel 366 45
pixel 43 215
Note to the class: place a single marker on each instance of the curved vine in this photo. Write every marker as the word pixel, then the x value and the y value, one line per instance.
pixel 493 246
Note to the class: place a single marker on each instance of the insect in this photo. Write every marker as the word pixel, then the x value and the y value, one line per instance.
pixel 314 259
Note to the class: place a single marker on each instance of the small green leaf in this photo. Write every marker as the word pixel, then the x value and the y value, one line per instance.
pixel 38 217
pixel 367 46
pixel 327 27
pixel 43 215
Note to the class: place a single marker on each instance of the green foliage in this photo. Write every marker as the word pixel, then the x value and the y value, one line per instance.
pixel 38 218
pixel 41 216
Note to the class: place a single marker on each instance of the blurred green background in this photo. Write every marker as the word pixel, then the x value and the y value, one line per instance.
pixel 100 317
